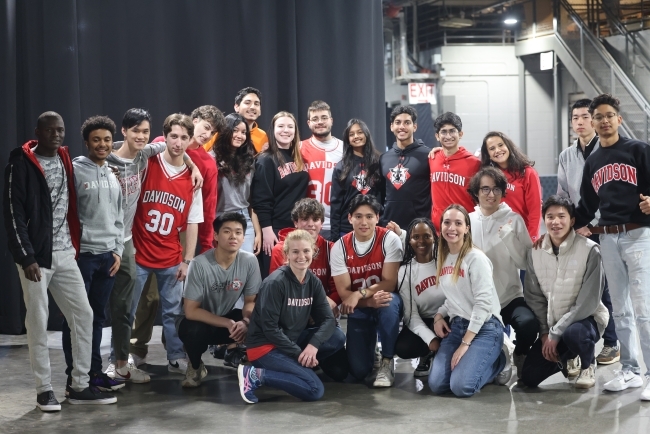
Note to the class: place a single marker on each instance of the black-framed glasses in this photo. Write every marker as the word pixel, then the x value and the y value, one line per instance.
pixel 496 190
pixel 321 119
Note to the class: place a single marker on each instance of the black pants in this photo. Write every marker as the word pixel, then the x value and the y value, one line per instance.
pixel 409 345
pixel 197 336
pixel 523 321
pixel 579 339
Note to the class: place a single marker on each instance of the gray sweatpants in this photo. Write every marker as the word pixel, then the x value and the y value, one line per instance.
pixel 67 288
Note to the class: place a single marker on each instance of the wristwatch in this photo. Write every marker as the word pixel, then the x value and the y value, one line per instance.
pixel 186 261
pixel 363 292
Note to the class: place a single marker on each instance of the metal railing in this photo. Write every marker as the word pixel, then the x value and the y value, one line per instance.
pixel 602 70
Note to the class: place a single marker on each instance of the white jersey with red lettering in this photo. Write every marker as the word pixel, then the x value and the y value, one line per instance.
pixel 320 158
pixel 163 210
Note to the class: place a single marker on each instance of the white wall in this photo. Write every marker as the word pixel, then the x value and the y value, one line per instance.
pixel 483 83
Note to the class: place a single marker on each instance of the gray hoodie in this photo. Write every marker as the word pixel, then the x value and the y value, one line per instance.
pixel 130 179
pixel 99 200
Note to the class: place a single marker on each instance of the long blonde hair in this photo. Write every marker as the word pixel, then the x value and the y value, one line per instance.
pixel 443 246
pixel 274 151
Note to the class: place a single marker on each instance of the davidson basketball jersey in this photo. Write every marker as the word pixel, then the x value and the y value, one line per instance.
pixel 320 161
pixel 365 270
pixel 163 208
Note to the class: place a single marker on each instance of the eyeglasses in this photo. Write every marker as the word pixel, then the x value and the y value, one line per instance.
pixel 449 133
pixel 496 191
pixel 322 119
pixel 609 116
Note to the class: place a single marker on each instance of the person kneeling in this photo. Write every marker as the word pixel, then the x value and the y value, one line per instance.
pixel 283 352
pixel 563 286
pixel 471 354
pixel 215 281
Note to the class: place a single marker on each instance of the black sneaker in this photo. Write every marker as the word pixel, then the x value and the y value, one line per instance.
pixel 234 357
pixel 218 351
pixel 424 367
pixel 90 395
pixel 47 402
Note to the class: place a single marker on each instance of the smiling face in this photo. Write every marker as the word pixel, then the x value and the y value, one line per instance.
pixel 299 255
pixel 250 108
pixel 498 151
pixel 449 137
pixel 230 236
pixel 403 128
pixel 100 145
pixel 454 227
pixel 50 133
pixel 558 223
pixel 363 221
pixel 311 225
pixel 606 120
pixel 320 123
pixel 177 141
pixel 422 242
pixel 284 131
pixel 489 195
pixel 137 136
pixel 238 135
pixel 357 139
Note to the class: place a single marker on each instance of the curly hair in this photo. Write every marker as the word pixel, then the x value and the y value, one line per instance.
pixel 234 163
pixel 97 123
pixel 211 114
pixel 308 207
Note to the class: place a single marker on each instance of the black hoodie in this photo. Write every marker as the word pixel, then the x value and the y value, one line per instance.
pixel 405 184
pixel 344 191
pixel 282 312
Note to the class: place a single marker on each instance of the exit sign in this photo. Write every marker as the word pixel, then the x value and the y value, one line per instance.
pixel 422 93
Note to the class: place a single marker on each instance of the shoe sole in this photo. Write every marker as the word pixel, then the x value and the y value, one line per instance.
pixel 421 373
pixel 383 384
pixel 608 362
pixel 573 375
pixel 111 389
pixel 626 386
pixel 92 401
pixel 240 378
pixel 188 384
pixel 49 408
pixel 585 386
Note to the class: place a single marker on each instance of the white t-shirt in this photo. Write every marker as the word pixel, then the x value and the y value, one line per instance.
pixel 196 209
pixel 392 247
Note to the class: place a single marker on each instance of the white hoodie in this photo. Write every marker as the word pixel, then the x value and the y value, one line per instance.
pixel 503 237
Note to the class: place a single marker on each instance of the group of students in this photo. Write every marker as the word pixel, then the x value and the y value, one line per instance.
pixel 388 240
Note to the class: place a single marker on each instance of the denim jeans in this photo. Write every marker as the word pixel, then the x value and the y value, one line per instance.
pixel 95 271
pixel 171 295
pixel 285 373
pixel 625 260
pixel 249 236
pixel 480 364
pixel 363 326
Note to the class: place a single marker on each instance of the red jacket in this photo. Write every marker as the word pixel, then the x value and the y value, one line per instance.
pixel 524 196
pixel 450 180
pixel 320 264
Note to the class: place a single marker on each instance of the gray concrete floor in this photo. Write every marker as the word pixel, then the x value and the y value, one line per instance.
pixel 163 406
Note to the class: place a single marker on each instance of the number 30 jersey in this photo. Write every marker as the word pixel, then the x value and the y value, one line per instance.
pixel 364 261
pixel 167 204
pixel 320 159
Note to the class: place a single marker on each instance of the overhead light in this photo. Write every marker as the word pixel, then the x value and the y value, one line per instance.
pixel 456 23
pixel 510 21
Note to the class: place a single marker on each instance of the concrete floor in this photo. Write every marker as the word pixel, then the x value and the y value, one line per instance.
pixel 163 406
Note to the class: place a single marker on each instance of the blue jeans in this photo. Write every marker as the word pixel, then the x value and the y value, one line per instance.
pixel 625 260
pixel 249 236
pixel 285 373
pixel 363 326
pixel 95 271
pixel 480 364
pixel 171 295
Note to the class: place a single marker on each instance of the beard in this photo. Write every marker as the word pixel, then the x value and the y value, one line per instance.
pixel 322 135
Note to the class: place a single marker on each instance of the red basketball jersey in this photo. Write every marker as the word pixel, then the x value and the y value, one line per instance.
pixel 163 208
pixel 365 270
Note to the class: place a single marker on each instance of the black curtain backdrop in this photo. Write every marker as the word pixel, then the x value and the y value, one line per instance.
pixel 88 57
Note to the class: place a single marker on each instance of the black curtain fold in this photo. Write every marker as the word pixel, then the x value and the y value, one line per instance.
pixel 86 57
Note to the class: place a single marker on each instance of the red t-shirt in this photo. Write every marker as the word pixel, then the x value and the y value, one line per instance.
pixel 163 208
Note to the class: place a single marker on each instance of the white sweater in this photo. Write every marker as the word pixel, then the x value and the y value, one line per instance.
pixel 506 248
pixel 473 297
pixel 422 297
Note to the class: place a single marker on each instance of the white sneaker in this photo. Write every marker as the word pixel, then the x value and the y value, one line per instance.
pixel 645 395
pixel 110 370
pixel 137 360
pixel 178 366
pixel 623 380
pixel 587 377
pixel 129 373
pixel 385 376
pixel 193 376
pixel 573 367
pixel 505 375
